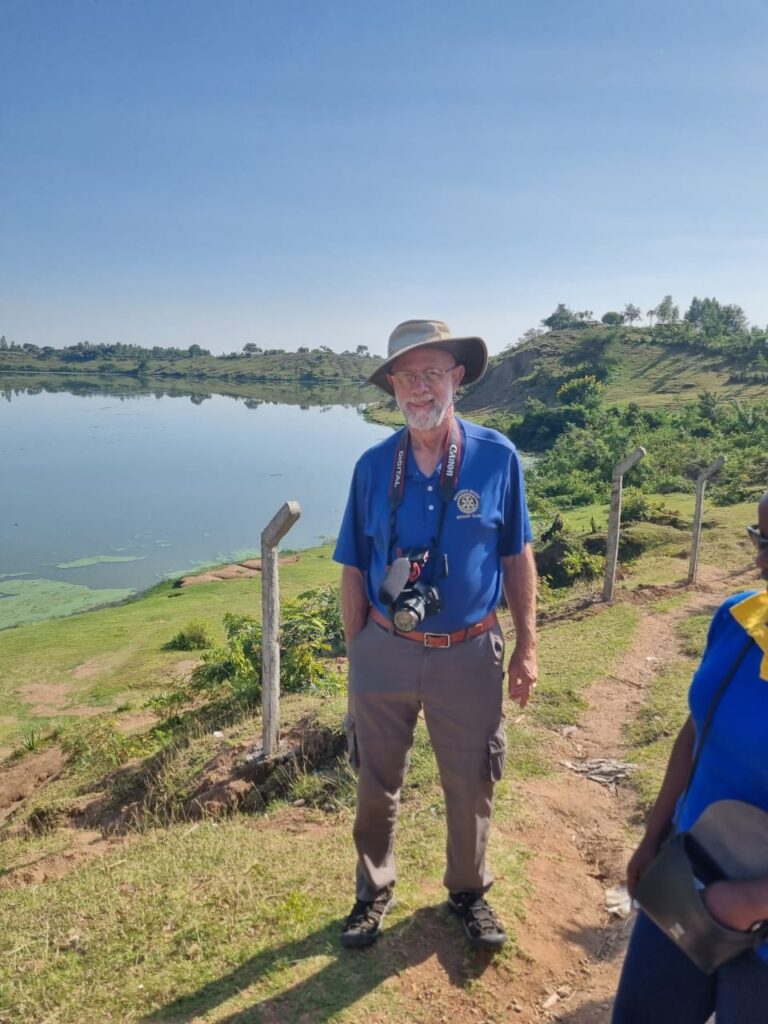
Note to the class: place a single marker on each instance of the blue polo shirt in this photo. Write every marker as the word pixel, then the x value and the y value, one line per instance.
pixel 734 760
pixel 486 520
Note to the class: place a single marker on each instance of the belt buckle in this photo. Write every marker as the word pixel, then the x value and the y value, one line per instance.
pixel 441 640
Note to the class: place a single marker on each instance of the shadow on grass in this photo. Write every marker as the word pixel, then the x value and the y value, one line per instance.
pixel 348 977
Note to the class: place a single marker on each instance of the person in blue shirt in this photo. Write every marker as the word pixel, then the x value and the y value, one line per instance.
pixel 659 983
pixel 436 527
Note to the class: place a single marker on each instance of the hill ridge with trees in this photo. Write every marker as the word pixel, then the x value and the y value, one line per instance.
pixel 194 363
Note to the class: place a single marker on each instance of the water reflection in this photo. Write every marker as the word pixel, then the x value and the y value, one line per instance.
pixel 169 484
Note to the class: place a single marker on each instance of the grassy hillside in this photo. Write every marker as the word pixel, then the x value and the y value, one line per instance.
pixel 55 671
pixel 235 918
pixel 650 368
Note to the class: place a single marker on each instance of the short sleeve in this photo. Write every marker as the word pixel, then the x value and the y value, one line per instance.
pixel 353 546
pixel 516 529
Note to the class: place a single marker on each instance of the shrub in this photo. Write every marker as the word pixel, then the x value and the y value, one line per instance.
pixel 311 631
pixel 97 746
pixel 565 560
pixel 195 636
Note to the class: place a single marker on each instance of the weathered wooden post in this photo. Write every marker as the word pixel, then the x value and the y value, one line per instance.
pixel 271 536
pixel 701 483
pixel 614 521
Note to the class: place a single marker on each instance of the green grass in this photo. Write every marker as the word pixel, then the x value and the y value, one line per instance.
pixel 574 653
pixel 112 655
pixel 214 919
pixel 656 727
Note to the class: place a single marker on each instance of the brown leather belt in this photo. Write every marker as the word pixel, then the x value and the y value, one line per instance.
pixel 437 639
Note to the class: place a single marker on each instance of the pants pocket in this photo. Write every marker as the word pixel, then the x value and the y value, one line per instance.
pixel 497 645
pixel 497 754
pixel 352 751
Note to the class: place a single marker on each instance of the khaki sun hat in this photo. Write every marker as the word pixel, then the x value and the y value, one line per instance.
pixel 412 334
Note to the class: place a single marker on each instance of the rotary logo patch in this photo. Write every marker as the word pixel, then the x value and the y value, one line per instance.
pixel 468 503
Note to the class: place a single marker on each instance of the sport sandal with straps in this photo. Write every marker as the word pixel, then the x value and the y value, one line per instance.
pixel 363 925
pixel 482 927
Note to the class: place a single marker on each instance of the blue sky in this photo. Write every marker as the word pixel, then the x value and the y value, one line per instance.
pixel 313 172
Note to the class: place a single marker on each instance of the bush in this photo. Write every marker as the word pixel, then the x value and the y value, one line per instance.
pixel 99 747
pixel 311 630
pixel 565 560
pixel 195 636
pixel 637 507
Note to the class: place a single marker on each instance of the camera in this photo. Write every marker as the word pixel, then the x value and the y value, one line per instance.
pixel 410 598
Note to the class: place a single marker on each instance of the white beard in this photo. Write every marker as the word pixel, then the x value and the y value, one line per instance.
pixel 428 417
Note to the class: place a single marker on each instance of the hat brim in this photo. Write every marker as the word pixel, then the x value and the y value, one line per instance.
pixel 471 353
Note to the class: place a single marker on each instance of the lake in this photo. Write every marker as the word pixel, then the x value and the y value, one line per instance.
pixel 107 494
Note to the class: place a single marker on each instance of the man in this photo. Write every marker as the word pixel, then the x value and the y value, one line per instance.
pixel 440 504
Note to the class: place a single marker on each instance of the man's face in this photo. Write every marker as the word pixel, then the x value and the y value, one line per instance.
pixel 424 403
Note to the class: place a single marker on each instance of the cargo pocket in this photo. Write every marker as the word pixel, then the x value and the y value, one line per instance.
pixel 497 646
pixel 497 754
pixel 349 729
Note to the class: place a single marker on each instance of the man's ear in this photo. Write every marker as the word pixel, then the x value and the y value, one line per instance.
pixel 461 368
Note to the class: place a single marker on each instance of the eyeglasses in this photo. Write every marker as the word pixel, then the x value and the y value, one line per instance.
pixel 431 376
pixel 757 538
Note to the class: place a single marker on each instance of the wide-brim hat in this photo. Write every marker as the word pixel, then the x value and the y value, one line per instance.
pixel 413 334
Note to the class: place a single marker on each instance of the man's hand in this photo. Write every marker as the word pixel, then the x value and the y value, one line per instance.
pixel 523 673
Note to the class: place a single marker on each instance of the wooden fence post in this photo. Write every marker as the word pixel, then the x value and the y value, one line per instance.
pixel 701 483
pixel 271 536
pixel 614 521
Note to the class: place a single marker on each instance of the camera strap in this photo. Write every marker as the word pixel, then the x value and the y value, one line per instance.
pixel 449 479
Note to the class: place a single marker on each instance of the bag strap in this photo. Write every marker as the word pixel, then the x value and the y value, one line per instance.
pixel 727 680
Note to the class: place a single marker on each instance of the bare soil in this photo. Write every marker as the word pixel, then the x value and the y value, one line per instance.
pixel 234 571
pixel 26 777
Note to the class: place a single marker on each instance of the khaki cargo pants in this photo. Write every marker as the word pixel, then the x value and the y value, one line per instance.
pixel 460 689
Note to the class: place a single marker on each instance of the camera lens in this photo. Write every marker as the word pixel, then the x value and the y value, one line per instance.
pixel 406 619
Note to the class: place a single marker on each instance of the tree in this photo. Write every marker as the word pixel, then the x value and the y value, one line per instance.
pixel 631 313
pixel 695 312
pixel 667 312
pixel 361 350
pixel 650 313
pixel 250 349
pixel 586 391
pixel 562 317
pixel 530 335
pixel 734 319
pixel 709 405
pixel 612 319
